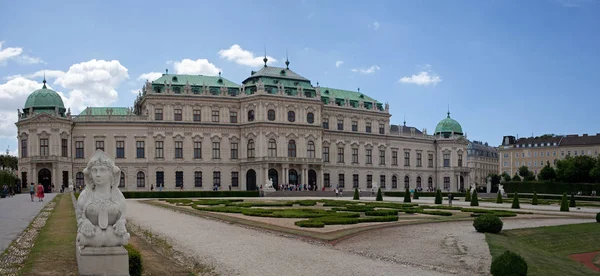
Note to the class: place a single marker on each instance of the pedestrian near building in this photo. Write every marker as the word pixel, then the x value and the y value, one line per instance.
pixel 40 192
pixel 32 190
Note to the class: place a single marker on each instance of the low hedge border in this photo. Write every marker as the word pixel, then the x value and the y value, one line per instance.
pixel 425 194
pixel 135 260
pixel 182 194
pixel 554 197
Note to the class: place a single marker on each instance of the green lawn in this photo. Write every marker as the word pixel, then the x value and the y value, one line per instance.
pixel 547 249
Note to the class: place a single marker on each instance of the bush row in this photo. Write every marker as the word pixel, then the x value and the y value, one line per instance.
pixel 549 187
pixel 424 194
pixel 555 197
pixel 135 260
pixel 182 194
pixel 322 221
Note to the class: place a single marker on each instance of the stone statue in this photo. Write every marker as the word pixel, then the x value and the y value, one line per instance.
pixel 269 184
pixel 473 187
pixel 70 184
pixel 375 186
pixel 501 189
pixel 101 205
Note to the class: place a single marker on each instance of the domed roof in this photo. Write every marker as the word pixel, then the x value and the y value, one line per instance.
pixel 44 98
pixel 448 125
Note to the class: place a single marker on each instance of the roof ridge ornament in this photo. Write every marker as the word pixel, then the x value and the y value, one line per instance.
pixel 265 59
pixel 287 62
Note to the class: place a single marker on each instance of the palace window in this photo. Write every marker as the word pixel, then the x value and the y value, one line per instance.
pixel 369 155
pixel 215 116
pixel 368 127
pixel 217 178
pixel 178 115
pixel 406 159
pixel 122 180
pixel 291 116
pixel 354 125
pixel 197 115
pixel 460 160
pixel 139 145
pixel 160 179
pixel 24 148
pixel 394 182
pixel 430 160
pixel 340 158
pixel 381 129
pixel 216 150
pixel 430 183
pixel 64 145
pixel 446 183
pixel 340 124
pixel 178 149
pixel 326 180
pixel 446 160
pixel 341 180
pixel 235 179
pixel 158 114
pixel 311 149
pixel 395 158
pixel 120 149
pixel 292 148
pixel 159 150
pixel 326 123
pixel 406 182
pixel 100 145
pixel 250 148
pixel 141 180
pixel 197 179
pixel 369 181
pixel 79 181
pixel 381 157
pixel 382 181
pixel 233 117
pixel 354 156
pixel 418 182
pixel 44 151
pixel 271 115
pixel 79 149
pixel 197 150
pixel 325 154
pixel 355 181
pixel 272 148
pixel 419 159
pixel 178 178
pixel 234 151
pixel 310 117
pixel 251 116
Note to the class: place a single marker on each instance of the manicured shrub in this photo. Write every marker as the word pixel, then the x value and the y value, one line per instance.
pixel 310 223
pixel 382 213
pixel 306 202
pixel 468 195
pixel 355 208
pixel 442 207
pixel 487 223
pixel 572 202
pixel 515 203
pixel 598 217
pixel 498 214
pixel 378 219
pixel 407 196
pixel 564 205
pixel 435 213
pixel 188 194
pixel 135 260
pixel 416 194
pixel 509 264
pixel 474 200
pixel 438 196
pixel 390 205
pixel 356 197
pixel 499 198
pixel 534 200
pixel 379 196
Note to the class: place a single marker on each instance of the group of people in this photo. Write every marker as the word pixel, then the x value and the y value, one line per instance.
pixel 7 191
pixel 36 191
pixel 298 187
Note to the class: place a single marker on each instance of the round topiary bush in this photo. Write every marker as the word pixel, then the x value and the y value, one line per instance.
pixel 598 217
pixel 509 263
pixel 488 223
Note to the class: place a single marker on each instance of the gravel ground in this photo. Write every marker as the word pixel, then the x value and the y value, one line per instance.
pixel 234 250
pixel 453 247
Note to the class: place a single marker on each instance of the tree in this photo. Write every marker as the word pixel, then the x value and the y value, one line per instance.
pixel 534 200
pixel 506 177
pixel 564 204
pixel 379 196
pixel 474 200
pixel 416 194
pixel 468 195
pixel 526 174
pixel 356 197
pixel 516 177
pixel 495 179
pixel 576 169
pixel 407 195
pixel 515 203
pixel 572 202
pixel 438 196
pixel 499 199
pixel 9 162
pixel 547 173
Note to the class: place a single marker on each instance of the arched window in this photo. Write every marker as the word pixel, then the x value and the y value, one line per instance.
pixel 430 183
pixel 291 116
pixel 272 148
pixel 122 180
pixel 394 182
pixel 406 182
pixel 292 148
pixel 310 117
pixel 250 115
pixel 271 115
pixel 311 149
pixel 418 182
pixel 141 179
pixel 79 180
pixel 250 148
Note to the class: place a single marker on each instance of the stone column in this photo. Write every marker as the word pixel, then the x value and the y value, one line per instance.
pixel 320 182
pixel 266 174
pixel 54 177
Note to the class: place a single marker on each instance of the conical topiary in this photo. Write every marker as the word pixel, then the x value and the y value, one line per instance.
pixel 438 196
pixel 407 195
pixel 379 196
pixel 515 204
pixel 564 204
pixel 474 200
pixel 534 201
pixel 468 195
pixel 499 199
pixel 356 197
pixel 416 194
pixel 572 202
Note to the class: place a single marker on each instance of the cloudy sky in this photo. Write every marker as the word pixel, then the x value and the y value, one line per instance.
pixel 503 67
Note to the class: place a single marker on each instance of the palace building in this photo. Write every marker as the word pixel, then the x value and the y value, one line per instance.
pixel 200 131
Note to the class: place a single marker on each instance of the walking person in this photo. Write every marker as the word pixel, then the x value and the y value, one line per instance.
pixel 40 192
pixel 31 190
pixel 450 197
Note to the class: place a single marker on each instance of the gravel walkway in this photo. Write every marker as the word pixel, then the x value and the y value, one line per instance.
pixel 234 250
pixel 453 247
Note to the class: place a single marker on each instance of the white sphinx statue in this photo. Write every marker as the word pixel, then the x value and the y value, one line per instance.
pixel 473 187
pixel 101 205
pixel 269 186
pixel 501 190
pixel 375 186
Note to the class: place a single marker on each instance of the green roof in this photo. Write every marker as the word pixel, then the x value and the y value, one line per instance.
pixel 101 111
pixel 271 81
pixel 278 72
pixel 447 126
pixel 343 94
pixel 195 80
pixel 44 98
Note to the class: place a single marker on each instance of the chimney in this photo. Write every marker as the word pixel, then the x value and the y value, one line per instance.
pixel 585 135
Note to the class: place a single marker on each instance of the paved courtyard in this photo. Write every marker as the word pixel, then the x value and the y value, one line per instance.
pixel 15 215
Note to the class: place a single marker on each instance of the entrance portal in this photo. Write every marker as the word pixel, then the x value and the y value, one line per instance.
pixel 45 178
pixel 293 176
pixel 273 175
pixel 462 183
pixel 312 178
pixel 250 180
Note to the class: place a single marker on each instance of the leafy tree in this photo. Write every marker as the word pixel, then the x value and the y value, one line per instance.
pixel 534 201
pixel 407 195
pixel 438 196
pixel 524 172
pixel 515 203
pixel 9 162
pixel 506 177
pixel 516 177
pixel 356 197
pixel 576 169
pixel 547 173
pixel 379 196
pixel 564 204
pixel 474 200
pixel 468 195
pixel 495 178
pixel 499 198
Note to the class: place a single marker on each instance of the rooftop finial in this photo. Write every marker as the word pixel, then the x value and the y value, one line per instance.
pixel 265 59
pixel 219 74
pixel 404 119
pixel 448 110
pixel 167 71
pixel 359 89
pixel 287 61
pixel 44 81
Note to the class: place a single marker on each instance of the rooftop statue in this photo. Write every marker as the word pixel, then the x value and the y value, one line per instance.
pixel 101 205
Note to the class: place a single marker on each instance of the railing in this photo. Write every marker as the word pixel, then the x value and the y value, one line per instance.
pixel 112 118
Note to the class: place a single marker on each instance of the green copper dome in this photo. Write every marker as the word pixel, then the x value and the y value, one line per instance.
pixel 448 126
pixel 44 99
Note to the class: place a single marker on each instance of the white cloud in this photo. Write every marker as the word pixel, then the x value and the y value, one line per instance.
pixel 369 70
pixel 50 74
pixel 15 53
pixel 196 67
pixel 135 91
pixel 240 56
pixel 339 63
pixel 151 76
pixel 25 59
pixel 374 25
pixel 423 78
pixel 13 95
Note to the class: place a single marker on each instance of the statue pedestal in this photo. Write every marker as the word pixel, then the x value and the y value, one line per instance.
pixel 103 261
pixel 269 190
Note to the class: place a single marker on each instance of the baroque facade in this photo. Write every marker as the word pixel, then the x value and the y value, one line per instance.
pixel 483 160
pixel 199 131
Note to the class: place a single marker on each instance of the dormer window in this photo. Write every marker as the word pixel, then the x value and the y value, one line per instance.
pixel 361 96
pixel 220 80
pixel 174 79
pixel 326 91
pixel 282 72
pixel 296 83
pixel 250 115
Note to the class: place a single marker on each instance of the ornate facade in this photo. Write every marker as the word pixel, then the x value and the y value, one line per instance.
pixel 201 131
pixel 483 160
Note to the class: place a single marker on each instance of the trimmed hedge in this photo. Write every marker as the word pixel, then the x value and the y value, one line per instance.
pixel 499 198
pixel 508 263
pixel 555 197
pixel 382 213
pixel 572 201
pixel 310 223
pixel 379 197
pixel 423 194
pixel 564 205
pixel 438 196
pixel 598 217
pixel 182 194
pixel 549 187
pixel 407 196
pixel 135 260
pixel 474 199
pixel 534 200
pixel 498 214
pixel 435 213
pixel 515 203
pixel 442 207
pixel 356 196
pixel 487 223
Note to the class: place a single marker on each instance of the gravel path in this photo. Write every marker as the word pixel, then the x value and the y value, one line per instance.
pixel 234 250
pixel 453 247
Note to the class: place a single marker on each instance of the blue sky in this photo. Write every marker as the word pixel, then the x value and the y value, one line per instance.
pixel 504 67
